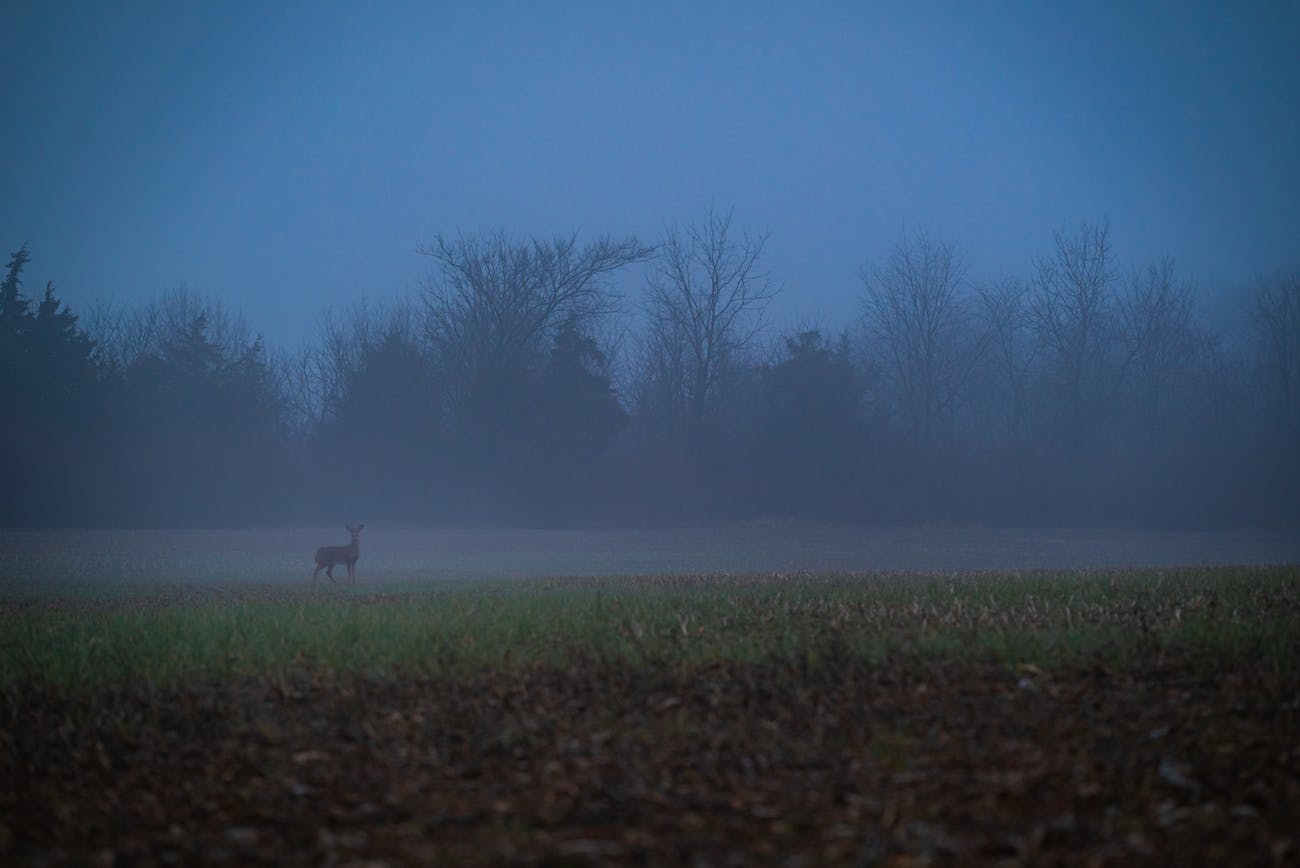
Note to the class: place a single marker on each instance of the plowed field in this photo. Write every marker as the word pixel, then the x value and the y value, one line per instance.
pixel 730 764
pixel 1089 719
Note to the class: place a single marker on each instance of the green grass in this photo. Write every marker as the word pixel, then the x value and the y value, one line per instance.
pixel 1228 616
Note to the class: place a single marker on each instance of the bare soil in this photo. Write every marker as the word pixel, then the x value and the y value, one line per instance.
pixel 836 762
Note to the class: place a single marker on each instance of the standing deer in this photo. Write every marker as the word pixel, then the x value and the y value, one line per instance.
pixel 328 556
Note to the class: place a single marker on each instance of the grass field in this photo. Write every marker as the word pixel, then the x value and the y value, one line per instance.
pixel 171 700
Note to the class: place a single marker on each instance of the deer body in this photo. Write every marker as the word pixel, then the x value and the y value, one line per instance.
pixel 328 556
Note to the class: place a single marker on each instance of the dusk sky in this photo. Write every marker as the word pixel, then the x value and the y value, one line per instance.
pixel 292 156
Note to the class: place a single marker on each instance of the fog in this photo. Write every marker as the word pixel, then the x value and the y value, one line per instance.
pixel 516 391
pixel 48 564
pixel 900 267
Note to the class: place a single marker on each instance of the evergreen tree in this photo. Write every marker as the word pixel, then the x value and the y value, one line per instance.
pixel 808 443
pixel 381 447
pixel 50 449
pixel 576 417
pixel 199 421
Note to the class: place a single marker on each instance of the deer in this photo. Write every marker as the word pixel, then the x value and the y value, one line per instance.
pixel 328 556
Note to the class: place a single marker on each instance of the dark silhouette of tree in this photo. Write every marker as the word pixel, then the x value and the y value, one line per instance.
pixel 1010 361
pixel 494 311
pixel 919 323
pixel 1164 346
pixel 198 421
pixel 1073 398
pixel 810 441
pixel 576 417
pixel 705 297
pixel 1275 320
pixel 704 302
pixel 50 391
pixel 531 446
pixel 13 307
pixel 1074 309
pixel 381 445
pixel 16 370
pixel 496 305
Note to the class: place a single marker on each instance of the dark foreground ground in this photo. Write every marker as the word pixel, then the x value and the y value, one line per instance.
pixel 816 763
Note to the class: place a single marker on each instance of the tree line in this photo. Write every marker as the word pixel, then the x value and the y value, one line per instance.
pixel 517 387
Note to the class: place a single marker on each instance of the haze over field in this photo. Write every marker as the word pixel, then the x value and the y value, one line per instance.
pixel 42 564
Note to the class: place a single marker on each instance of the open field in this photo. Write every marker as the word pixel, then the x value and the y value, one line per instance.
pixel 164 701
pixel 41 564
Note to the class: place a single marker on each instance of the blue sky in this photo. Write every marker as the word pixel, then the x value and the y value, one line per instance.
pixel 294 158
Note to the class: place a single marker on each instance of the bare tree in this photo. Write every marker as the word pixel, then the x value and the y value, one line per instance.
pixel 314 378
pixel 659 383
pixel 124 336
pixel 496 304
pixel 196 410
pixel 1162 340
pixel 1275 316
pixel 704 302
pixel 1011 352
pixel 917 318
pixel 1074 311
pixel 304 382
